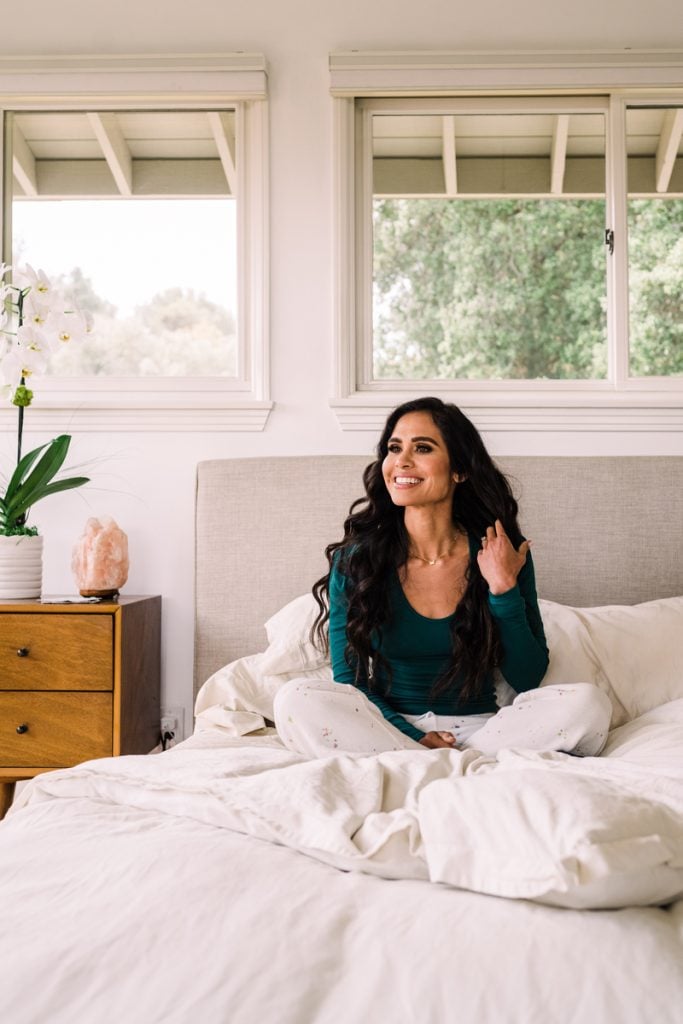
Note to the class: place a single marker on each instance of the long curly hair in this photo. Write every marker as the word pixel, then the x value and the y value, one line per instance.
pixel 375 545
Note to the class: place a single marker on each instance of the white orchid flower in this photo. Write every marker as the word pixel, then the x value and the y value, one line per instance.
pixel 10 372
pixel 31 330
pixel 12 368
pixel 7 368
pixel 22 363
pixel 35 310
pixel 36 280
pixel 32 348
pixel 64 327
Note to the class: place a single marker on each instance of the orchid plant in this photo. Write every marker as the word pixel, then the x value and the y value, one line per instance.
pixel 33 324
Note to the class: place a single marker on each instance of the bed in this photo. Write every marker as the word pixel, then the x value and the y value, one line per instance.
pixel 228 880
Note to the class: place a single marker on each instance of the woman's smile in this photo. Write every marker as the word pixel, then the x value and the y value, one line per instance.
pixel 417 468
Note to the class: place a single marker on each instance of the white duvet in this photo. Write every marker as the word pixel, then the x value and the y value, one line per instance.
pixel 578 832
pixel 204 884
pixel 229 880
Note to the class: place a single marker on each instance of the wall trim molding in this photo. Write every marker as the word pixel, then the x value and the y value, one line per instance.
pixel 630 416
pixel 240 75
pixel 354 73
pixel 98 418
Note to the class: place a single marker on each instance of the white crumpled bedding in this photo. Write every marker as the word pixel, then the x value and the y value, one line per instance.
pixel 591 832
pixel 579 832
pixel 230 880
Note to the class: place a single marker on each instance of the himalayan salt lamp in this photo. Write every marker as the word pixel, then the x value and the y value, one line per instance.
pixel 100 558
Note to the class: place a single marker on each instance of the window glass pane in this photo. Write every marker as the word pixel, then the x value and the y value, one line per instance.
pixel 488 246
pixel 132 216
pixel 655 232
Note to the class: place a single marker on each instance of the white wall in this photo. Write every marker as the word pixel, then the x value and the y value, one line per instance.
pixel 147 480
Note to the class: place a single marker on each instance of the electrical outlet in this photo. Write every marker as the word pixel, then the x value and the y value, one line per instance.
pixel 173 720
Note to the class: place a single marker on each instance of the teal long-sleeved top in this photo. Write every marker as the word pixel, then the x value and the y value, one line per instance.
pixel 418 649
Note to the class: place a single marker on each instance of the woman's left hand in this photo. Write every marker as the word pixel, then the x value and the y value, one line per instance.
pixel 435 740
pixel 499 562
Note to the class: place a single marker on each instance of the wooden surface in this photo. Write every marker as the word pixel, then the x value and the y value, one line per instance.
pixel 86 684
pixel 48 652
pixel 60 728
pixel 6 797
pixel 137 715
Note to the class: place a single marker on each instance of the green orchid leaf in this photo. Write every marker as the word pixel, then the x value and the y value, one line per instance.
pixel 64 485
pixel 23 466
pixel 33 480
pixel 55 488
pixel 29 490
pixel 48 465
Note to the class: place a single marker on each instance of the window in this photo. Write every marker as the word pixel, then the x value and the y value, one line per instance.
pixel 132 215
pixel 519 250
pixel 488 233
pixel 147 208
pixel 655 240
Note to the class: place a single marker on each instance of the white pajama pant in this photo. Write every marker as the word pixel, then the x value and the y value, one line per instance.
pixel 318 716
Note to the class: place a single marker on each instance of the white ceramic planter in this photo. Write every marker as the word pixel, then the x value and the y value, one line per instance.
pixel 21 567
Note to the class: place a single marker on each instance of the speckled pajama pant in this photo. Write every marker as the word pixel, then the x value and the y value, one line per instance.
pixel 317 717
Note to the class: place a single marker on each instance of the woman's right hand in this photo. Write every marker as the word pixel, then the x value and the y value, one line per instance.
pixel 433 740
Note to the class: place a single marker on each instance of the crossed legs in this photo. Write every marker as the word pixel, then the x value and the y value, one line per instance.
pixel 316 717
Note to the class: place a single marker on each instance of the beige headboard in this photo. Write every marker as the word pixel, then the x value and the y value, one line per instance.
pixel 604 531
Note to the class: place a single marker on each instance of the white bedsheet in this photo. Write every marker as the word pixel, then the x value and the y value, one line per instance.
pixel 141 889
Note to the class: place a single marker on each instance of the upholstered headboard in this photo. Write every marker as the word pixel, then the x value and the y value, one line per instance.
pixel 604 531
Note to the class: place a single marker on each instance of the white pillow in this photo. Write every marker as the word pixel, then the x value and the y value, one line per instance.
pixel 289 639
pixel 652 742
pixel 563 839
pixel 238 687
pixel 244 692
pixel 239 696
pixel 632 652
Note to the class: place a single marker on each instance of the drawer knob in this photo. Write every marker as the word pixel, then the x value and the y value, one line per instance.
pixel 22 728
pixel 22 652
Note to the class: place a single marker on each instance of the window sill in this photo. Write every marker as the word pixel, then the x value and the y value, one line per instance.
pixel 568 412
pixel 134 414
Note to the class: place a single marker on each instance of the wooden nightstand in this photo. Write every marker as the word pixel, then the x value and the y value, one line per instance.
pixel 77 681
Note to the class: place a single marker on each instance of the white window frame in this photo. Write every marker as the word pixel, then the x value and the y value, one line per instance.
pixel 205 82
pixel 399 82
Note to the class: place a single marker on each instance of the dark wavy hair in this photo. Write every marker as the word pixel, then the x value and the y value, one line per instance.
pixel 375 544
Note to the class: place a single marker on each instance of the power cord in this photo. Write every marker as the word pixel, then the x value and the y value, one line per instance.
pixel 165 738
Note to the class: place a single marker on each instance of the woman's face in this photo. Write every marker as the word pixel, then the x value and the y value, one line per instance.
pixel 417 468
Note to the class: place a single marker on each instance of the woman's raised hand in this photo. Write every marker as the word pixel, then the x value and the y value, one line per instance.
pixel 499 562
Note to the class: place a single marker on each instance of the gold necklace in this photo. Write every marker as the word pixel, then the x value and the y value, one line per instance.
pixel 442 554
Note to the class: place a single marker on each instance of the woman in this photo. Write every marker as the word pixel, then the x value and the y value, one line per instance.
pixel 430 594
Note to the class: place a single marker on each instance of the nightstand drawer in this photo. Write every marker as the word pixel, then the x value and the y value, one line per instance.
pixel 50 651
pixel 55 729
